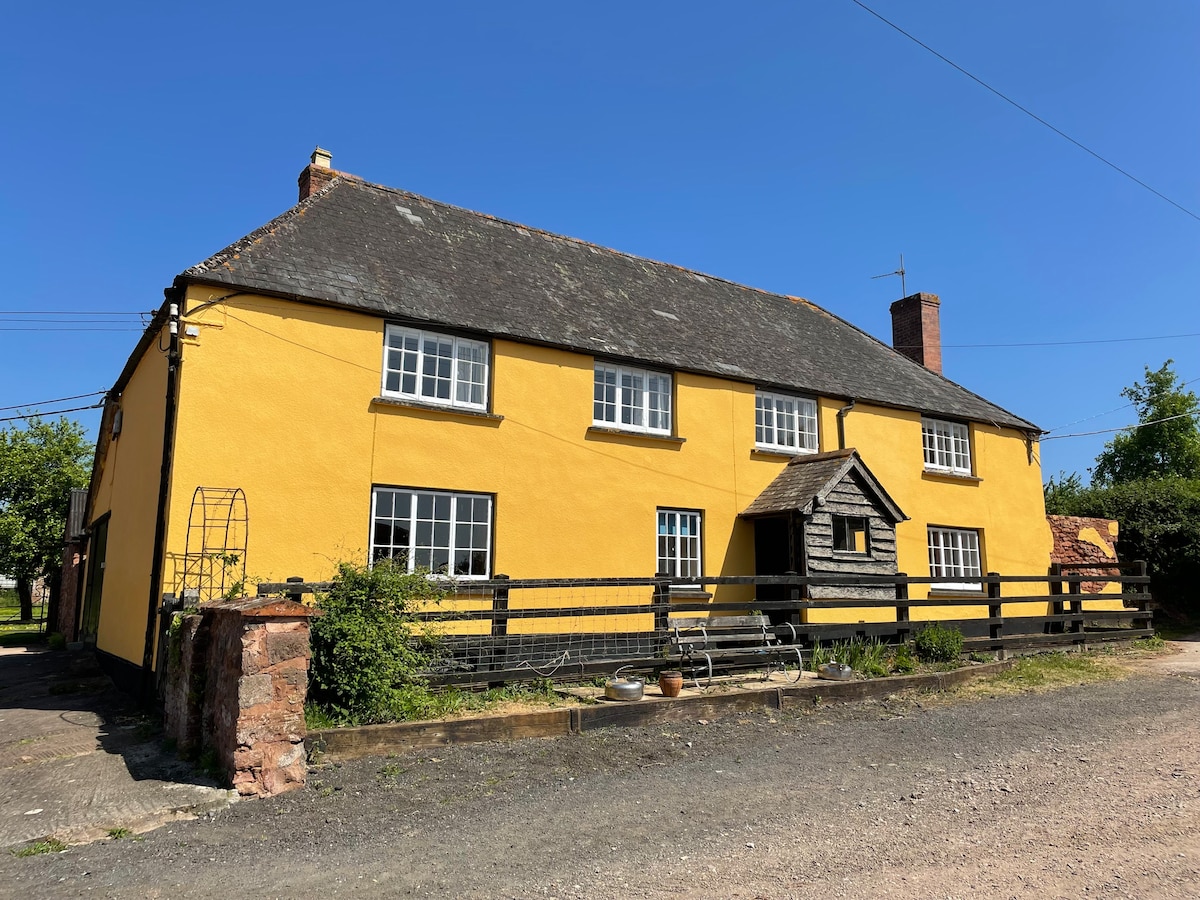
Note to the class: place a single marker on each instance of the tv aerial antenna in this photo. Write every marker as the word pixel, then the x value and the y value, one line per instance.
pixel 900 272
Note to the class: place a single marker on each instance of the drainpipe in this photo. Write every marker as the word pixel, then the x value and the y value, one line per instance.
pixel 174 298
pixel 841 420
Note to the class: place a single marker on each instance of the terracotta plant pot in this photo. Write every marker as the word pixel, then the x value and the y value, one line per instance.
pixel 670 682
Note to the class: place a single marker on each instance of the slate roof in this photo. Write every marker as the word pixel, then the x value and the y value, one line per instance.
pixel 808 479
pixel 396 254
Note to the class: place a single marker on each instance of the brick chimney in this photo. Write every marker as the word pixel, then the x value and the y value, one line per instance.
pixel 916 329
pixel 316 174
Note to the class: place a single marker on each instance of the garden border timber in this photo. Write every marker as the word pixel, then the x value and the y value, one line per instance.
pixel 340 744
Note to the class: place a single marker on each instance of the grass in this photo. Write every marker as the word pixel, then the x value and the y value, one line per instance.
pixel 118 834
pixel 1046 672
pixel 421 705
pixel 46 845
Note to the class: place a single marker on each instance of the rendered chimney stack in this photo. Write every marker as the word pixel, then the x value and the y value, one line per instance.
pixel 316 174
pixel 917 330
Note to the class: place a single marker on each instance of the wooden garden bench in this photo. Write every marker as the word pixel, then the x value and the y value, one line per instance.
pixel 705 645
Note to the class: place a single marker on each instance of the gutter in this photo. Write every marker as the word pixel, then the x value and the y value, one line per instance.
pixel 174 298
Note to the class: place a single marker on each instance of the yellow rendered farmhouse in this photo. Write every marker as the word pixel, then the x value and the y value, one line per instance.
pixel 374 373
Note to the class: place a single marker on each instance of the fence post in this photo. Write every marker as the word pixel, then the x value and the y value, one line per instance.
pixel 996 616
pixel 903 629
pixel 499 649
pixel 1144 596
pixel 295 596
pixel 1056 604
pixel 661 602
pixel 796 615
pixel 1075 591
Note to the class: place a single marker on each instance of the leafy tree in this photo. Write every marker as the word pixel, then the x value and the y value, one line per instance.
pixel 1164 449
pixel 39 465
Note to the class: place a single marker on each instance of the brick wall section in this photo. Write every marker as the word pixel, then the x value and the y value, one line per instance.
pixel 239 690
pixel 1084 539
pixel 187 653
pixel 313 178
pixel 69 590
pixel 917 330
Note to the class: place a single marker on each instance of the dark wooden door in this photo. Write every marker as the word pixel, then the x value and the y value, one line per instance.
pixel 94 586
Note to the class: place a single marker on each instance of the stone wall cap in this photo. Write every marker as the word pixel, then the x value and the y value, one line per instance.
pixel 269 607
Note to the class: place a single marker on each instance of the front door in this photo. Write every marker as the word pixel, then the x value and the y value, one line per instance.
pixel 776 552
pixel 94 587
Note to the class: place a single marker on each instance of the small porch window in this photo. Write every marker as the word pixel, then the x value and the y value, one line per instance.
pixel 850 534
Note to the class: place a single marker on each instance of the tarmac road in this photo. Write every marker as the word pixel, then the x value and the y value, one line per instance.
pixel 1087 791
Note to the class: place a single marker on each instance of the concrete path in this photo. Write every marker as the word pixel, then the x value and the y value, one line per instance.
pixel 77 758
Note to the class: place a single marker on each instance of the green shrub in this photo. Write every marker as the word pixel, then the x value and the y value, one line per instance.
pixel 903 662
pixel 367 651
pixel 56 641
pixel 936 643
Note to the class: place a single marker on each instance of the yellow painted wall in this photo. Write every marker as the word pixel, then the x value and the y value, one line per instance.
pixel 128 489
pixel 277 398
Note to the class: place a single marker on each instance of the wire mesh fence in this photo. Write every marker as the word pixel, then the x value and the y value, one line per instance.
pixel 505 630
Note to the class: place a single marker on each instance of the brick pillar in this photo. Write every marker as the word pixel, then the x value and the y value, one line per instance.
pixel 917 329
pixel 256 684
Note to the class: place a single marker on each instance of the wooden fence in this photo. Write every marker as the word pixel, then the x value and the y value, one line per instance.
pixel 506 629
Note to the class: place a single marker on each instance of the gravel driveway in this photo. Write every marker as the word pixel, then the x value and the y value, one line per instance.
pixel 1087 791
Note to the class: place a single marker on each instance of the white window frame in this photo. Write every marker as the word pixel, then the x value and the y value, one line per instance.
pixel 679 555
pixel 954 553
pixel 465 531
pixel 466 374
pixel 785 422
pixel 631 399
pixel 947 446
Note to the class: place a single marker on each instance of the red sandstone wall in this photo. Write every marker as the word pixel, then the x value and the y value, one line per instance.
pixel 1084 539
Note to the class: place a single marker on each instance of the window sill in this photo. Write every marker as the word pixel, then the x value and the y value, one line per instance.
pixel 778 453
pixel 620 434
pixel 690 593
pixel 455 411
pixel 948 594
pixel 939 475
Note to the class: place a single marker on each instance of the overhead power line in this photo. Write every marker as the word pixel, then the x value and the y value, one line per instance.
pixel 49 412
pixel 1111 411
pixel 1059 437
pixel 1027 112
pixel 50 402
pixel 66 312
pixel 1156 337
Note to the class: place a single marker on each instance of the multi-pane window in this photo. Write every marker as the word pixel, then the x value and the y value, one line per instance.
pixel 436 368
pixel 783 422
pixel 947 446
pixel 954 553
pixel 433 531
pixel 632 399
pixel 679 543
pixel 850 534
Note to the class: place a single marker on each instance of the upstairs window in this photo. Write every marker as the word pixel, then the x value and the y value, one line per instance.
pixel 632 399
pixel 433 531
pixel 435 368
pixel 947 446
pixel 954 553
pixel 783 422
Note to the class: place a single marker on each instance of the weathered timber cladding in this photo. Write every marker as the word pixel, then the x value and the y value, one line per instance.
pixel 850 498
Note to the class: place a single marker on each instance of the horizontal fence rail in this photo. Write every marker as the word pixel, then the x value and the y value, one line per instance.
pixel 507 629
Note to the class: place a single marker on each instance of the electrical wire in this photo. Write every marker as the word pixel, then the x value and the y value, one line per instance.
pixel 1111 411
pixel 1027 112
pixel 67 328
pixel 48 402
pixel 1157 337
pixel 64 312
pixel 49 412
pixel 1059 437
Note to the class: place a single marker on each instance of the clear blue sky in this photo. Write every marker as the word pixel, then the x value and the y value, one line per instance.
pixel 798 147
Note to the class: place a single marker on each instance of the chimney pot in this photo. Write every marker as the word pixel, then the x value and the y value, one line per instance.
pixel 321 158
pixel 917 331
